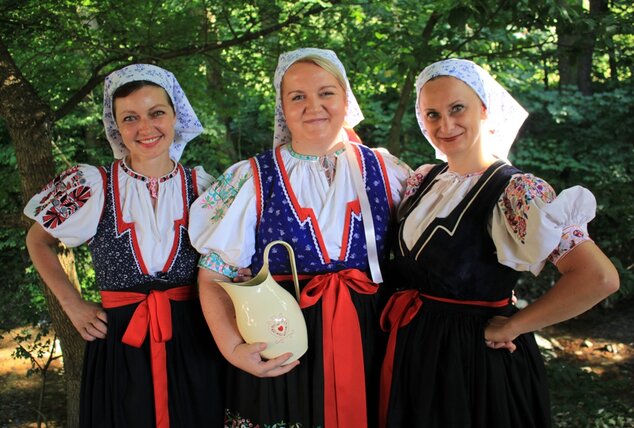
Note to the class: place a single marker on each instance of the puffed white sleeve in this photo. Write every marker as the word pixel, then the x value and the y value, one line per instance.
pixel 69 207
pixel 397 173
pixel 531 225
pixel 203 180
pixel 223 219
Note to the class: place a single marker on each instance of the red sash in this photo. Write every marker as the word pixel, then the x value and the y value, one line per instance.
pixel 399 311
pixel 154 313
pixel 344 376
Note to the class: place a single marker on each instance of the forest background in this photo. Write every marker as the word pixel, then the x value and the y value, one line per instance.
pixel 568 62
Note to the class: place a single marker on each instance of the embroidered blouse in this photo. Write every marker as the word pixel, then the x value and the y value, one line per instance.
pixel 70 206
pixel 223 219
pixel 529 224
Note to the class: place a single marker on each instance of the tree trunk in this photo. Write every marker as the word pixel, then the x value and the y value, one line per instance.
pixel 217 93
pixel 567 54
pixel 566 57
pixel 614 71
pixel 29 121
pixel 575 48
pixel 72 343
pixel 394 139
pixel 584 80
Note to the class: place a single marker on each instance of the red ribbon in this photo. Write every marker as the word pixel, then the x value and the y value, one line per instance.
pixel 399 311
pixel 344 375
pixel 154 312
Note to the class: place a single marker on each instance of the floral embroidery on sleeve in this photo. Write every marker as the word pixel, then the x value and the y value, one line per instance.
pixel 214 262
pixel 571 236
pixel 66 193
pixel 412 183
pixel 517 198
pixel 221 194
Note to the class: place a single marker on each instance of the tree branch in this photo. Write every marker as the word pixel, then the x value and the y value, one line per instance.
pixel 394 144
pixel 99 74
pixel 483 23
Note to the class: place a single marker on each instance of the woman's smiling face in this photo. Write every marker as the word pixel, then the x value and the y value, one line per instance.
pixel 452 114
pixel 314 104
pixel 146 122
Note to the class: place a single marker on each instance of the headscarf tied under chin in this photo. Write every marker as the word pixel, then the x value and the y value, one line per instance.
pixel 505 116
pixel 282 134
pixel 187 124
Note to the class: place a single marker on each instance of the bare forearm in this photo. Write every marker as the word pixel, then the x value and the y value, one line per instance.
pixel 220 316
pixel 88 318
pixel 588 277
pixel 42 250
pixel 219 313
pixel 571 296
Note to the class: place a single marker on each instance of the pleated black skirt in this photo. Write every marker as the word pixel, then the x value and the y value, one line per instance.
pixel 296 399
pixel 117 388
pixel 445 376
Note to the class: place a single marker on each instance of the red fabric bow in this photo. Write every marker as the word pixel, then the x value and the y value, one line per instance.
pixel 154 312
pixel 344 376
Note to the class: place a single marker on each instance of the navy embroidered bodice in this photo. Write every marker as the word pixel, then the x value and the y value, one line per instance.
pixel 115 252
pixel 281 218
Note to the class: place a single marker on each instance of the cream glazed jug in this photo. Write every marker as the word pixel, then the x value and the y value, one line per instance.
pixel 266 312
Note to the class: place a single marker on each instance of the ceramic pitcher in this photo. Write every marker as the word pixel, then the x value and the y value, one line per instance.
pixel 266 312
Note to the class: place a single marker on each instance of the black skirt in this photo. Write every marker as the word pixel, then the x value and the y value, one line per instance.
pixel 296 399
pixel 117 387
pixel 445 376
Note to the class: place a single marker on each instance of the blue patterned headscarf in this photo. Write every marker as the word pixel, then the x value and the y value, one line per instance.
pixel 505 116
pixel 187 125
pixel 282 135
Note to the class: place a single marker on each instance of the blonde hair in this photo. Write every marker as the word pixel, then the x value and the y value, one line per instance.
pixel 326 65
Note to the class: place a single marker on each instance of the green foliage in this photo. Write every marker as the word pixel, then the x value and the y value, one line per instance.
pixel 39 348
pixel 226 69
pixel 65 48
pixel 86 274
pixel 582 399
pixel 231 89
pixel 79 138
pixel 21 293
pixel 570 139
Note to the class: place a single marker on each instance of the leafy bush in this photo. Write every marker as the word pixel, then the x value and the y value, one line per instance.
pixel 572 139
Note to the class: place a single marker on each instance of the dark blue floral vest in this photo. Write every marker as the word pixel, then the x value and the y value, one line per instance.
pixel 281 218
pixel 115 254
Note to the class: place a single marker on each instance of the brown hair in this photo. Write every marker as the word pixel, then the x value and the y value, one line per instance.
pixel 130 87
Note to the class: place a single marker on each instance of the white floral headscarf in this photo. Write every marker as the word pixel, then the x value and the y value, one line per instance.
pixel 187 124
pixel 505 116
pixel 282 134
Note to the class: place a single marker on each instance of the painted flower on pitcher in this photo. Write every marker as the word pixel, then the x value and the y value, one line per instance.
pixel 278 326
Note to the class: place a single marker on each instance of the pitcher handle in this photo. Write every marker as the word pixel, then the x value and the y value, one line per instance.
pixel 291 258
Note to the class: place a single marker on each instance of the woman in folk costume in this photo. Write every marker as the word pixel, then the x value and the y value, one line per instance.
pixel 304 191
pixel 459 353
pixel 150 360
